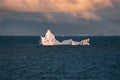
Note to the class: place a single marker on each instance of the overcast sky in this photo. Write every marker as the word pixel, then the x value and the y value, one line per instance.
pixel 63 17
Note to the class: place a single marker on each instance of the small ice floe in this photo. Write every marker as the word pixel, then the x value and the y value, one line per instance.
pixel 49 39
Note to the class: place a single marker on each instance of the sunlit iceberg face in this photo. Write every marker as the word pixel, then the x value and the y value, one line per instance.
pixel 66 42
pixel 85 42
pixel 50 39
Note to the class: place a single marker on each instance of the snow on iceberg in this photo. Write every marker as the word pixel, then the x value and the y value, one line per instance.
pixel 49 39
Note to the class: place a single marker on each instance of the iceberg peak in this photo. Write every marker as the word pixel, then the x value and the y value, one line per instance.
pixel 49 39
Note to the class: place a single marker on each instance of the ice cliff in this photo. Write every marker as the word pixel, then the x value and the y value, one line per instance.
pixel 49 39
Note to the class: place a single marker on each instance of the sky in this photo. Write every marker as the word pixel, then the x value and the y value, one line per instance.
pixel 62 17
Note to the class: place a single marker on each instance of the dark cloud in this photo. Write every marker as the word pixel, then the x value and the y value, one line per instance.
pixel 92 20
pixel 37 23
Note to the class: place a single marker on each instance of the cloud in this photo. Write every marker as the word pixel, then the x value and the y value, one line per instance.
pixel 84 9
pixel 53 5
pixel 87 16
pixel 49 17
pixel 1 20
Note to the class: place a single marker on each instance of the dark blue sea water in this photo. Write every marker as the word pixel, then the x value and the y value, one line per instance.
pixel 22 58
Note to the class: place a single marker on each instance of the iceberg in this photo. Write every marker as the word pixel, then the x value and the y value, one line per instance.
pixel 49 39
pixel 85 42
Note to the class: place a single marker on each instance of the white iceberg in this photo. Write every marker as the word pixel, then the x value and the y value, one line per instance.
pixel 49 39
pixel 85 42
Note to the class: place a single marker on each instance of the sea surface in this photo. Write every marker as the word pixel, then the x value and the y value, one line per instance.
pixel 23 58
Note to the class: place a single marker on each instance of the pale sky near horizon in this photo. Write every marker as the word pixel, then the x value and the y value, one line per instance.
pixel 63 17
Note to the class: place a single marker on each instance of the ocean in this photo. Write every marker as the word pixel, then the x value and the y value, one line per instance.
pixel 23 58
